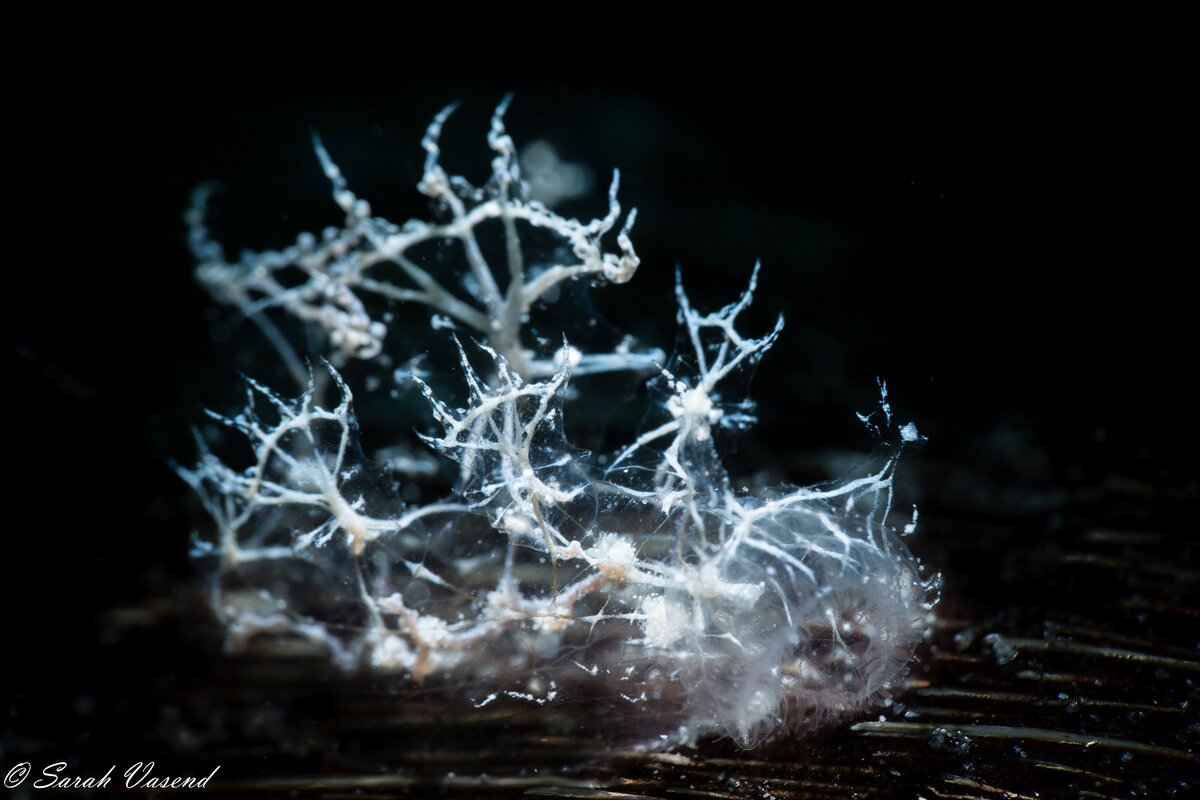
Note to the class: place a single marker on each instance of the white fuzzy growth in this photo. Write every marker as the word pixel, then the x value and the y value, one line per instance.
pixel 664 622
pixel 755 612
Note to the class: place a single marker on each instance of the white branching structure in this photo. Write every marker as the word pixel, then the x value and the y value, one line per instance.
pixel 645 576
pixel 369 256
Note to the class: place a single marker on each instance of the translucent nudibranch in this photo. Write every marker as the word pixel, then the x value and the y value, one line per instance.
pixel 642 578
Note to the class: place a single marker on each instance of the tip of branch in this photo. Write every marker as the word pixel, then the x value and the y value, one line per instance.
pixel 502 109
pixel 430 139
pixel 327 166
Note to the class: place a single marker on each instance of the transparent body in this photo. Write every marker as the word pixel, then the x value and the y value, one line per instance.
pixel 642 576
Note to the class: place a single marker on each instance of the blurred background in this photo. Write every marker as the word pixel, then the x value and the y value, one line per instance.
pixel 1005 245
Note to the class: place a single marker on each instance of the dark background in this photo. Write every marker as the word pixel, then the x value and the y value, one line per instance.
pixel 1005 244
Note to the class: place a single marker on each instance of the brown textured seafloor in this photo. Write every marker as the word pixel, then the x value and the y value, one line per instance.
pixel 1063 664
